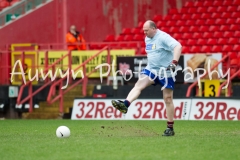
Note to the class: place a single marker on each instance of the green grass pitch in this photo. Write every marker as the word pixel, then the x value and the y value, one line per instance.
pixel 119 140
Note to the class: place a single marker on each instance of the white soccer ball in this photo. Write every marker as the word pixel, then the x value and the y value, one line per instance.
pixel 63 132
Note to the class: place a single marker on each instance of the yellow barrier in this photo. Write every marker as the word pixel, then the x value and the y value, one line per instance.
pixel 211 87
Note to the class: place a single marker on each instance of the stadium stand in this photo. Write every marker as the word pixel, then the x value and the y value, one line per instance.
pixel 200 26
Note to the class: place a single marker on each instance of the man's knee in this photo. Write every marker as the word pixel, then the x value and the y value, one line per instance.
pixel 168 99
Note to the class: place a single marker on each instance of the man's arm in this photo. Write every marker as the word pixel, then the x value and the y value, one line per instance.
pixel 177 52
pixel 176 55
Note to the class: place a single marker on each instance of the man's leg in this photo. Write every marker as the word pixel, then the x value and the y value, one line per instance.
pixel 142 83
pixel 168 99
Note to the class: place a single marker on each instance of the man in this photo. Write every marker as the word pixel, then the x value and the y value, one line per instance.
pixel 163 53
pixel 73 37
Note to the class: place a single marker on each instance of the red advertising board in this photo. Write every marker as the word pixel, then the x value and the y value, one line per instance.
pixel 215 109
pixel 154 109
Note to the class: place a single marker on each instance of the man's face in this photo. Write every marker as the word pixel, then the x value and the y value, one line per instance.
pixel 73 28
pixel 148 31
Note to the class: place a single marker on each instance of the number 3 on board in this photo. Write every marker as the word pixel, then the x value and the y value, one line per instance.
pixel 211 88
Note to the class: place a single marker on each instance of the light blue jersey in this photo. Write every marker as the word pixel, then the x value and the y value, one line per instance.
pixel 160 52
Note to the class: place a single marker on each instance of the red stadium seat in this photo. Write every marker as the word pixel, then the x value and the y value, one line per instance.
pixel 190 22
pixel 234 27
pixel 227 3
pixel 198 4
pixel 186 17
pixel 207 3
pixel 182 42
pixel 233 41
pixel 236 2
pixel 216 15
pixel 236 47
pixel 128 38
pixel 185 49
pixel 212 41
pixel 126 31
pixel 165 29
pixel 237 21
pixel 177 36
pixel 237 34
pixel 171 23
pixel 183 29
pixel 4 4
pixel 207 35
pixel 222 41
pixel 200 22
pixel 191 10
pixel 157 18
pixel 196 16
pixel 225 15
pixel 234 62
pixel 140 24
pixel 167 18
pixel 183 10
pixel 217 3
pixel 232 55
pixel 205 16
pixel 211 9
pixel 210 22
pixel 201 41
pixel 186 36
pixel 195 49
pixel 233 70
pixel 161 24
pixel 228 34
pixel 173 11
pixel 221 9
pixel 231 8
pixel 133 45
pixel 197 35
pixel 119 38
pixel 201 10
pixel 138 37
pixel 188 4
pixel 203 29
pixel 235 15
pixel 176 17
pixel 227 48
pixel 142 51
pixel 216 48
pixel 109 38
pixel 173 30
pixel 230 21
pixel 224 28
pixel 143 44
pixel 205 49
pixel 180 23
pixel 218 34
pixel 220 21
pixel 213 28
pixel 191 42
pixel 193 29
pixel 136 31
